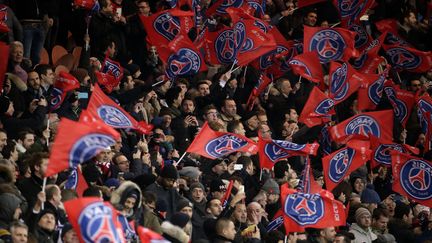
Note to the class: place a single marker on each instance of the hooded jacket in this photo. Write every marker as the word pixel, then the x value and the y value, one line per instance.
pixel 174 233
pixel 119 196
pixel 8 204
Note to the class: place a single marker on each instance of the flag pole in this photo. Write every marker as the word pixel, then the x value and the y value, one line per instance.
pixel 181 158
pixel 334 25
pixel 43 189
pixel 232 66
pixel 48 124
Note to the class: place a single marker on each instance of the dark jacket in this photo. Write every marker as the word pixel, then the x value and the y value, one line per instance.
pixel 401 230
pixel 13 125
pixel 170 196
pixel 8 204
pixel 30 187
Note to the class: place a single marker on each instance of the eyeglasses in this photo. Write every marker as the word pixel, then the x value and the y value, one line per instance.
pixel 215 113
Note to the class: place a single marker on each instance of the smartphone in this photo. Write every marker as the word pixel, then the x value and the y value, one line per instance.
pixel 120 175
pixel 82 95
pixel 119 12
pixel 238 167
pixel 241 189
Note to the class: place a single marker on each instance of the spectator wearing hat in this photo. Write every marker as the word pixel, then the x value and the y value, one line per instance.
pixel 198 198
pixel 271 188
pixel 251 124
pixel 186 207
pixel 218 168
pixel 362 227
pixel 401 224
pixel 127 198
pixel 217 189
pixel 370 198
pixel 68 234
pixel 173 230
pixel 164 188
pixel 45 225
pixel 9 211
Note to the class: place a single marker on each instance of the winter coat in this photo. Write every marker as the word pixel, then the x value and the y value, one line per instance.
pixel 119 196
pixel 361 235
pixel 170 196
pixel 8 204
pixel 174 233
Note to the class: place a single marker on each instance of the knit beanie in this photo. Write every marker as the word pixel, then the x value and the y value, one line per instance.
pixel 180 219
pixel 360 212
pixel 271 187
pixel 191 172
pixel 183 203
pixel 169 172
pixel 196 185
pixel 370 196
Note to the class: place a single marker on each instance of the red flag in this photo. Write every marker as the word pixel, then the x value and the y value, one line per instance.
pixel 412 177
pixel 382 151
pixel 390 28
pixel 362 38
pixel 370 94
pixel 108 81
pixel 332 44
pixel 114 69
pixel 344 81
pixel 304 3
pixel 251 37
pixel 220 6
pixel 308 184
pixel 3 26
pixel 182 58
pixel 271 151
pixel 77 142
pixel 409 59
pixel 4 52
pixel 76 181
pixel 377 123
pixel 149 236
pixel 369 60
pixel 318 109
pixel 86 4
pixel 350 11
pixel 401 100
pixel 163 27
pixel 308 66
pixel 113 115
pixel 213 145
pixel 260 86
pixel 94 220
pixel 304 210
pixel 219 47
pixel 341 163
pixel 224 200
pixel 64 83
pixel 276 222
pixel 424 105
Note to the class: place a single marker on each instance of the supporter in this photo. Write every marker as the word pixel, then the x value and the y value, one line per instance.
pixel 9 211
pixel 16 55
pixel 380 219
pixel 149 218
pixel 47 78
pixel 251 123
pixel 45 225
pixel 128 198
pixel 173 230
pixel 69 234
pixel 401 224
pixel 236 127
pixel 229 111
pixel 19 232
pixel 213 208
pixel 225 231
pixel 362 227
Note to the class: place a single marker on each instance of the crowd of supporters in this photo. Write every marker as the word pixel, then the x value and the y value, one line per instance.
pixel 141 175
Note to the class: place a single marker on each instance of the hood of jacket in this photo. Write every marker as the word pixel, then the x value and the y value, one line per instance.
pixel 174 232
pixel 119 196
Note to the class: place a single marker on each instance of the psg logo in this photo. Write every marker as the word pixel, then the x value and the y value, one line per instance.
pixel 329 44
pixel 260 25
pixel 56 98
pixel 113 116
pixel 360 62
pixel 304 209
pixel 361 38
pixel 363 125
pixel 229 3
pixel 415 178
pixel 403 59
pixel 289 145
pixel 225 47
pixel 339 86
pixel 324 107
pixel 274 152
pixel 348 7
pixel 72 181
pixel 339 164
pixel 423 107
pixel 299 63
pixel 87 147
pixel 382 153
pixel 166 25
pixel 265 61
pixel 96 224
pixel 375 90
pixel 224 145
pixel 399 108
pixel 258 8
pixel 185 61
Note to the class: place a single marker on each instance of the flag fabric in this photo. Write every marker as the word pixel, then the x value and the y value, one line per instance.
pixel 149 236
pixel 64 83
pixel 307 182
pixel 212 144
pixel 332 44
pixel 308 66
pixel 163 27
pixel 128 228
pixel 350 11
pixel 370 93
pixel 86 4
pixel 344 80
pixel 112 68
pixel 76 181
pixel 408 59
pixel 390 28
pixel 362 38
pixel 108 81
pixel 226 197
pixel 318 109
pixel 3 18
pixel 376 123
pixel 102 107
pixel 369 60
pixel 271 151
pixel 261 84
pixel 316 210
pixel 325 141
pixel 4 52
pixel 77 142
pixel 401 100
pixel 339 164
pixel 220 7
pixel 182 58
pixel 94 220
pixel 220 47
pixel 412 177
pixel 251 36
pixel 424 106
pixel 382 151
